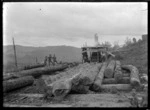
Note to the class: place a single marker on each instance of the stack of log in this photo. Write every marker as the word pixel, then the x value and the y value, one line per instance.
pixel 122 77
pixel 114 78
pixel 26 77
pixel 80 79
pixel 95 77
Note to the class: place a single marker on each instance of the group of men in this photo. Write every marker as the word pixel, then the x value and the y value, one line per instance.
pixel 50 60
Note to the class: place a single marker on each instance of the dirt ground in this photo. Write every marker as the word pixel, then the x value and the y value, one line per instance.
pixel 72 100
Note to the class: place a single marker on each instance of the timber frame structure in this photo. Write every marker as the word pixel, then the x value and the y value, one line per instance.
pixel 93 54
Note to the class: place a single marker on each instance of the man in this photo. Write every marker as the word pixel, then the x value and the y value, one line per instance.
pixel 54 59
pixel 49 59
pixel 45 61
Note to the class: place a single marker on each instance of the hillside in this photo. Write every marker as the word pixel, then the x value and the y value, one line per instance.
pixel 27 55
pixel 135 54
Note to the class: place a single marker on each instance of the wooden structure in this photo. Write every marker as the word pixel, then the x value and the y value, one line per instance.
pixel 93 54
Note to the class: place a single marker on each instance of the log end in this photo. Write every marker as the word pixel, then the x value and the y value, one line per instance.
pixel 108 73
pixel 118 76
pixel 95 88
pixel 135 83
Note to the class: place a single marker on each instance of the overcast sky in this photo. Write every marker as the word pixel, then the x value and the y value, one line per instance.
pixel 48 24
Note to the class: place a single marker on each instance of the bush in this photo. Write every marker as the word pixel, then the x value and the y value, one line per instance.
pixel 128 42
pixel 119 57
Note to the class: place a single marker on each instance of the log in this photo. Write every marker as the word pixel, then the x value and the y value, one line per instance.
pixel 62 87
pixel 33 66
pixel 10 77
pixel 134 75
pixel 119 87
pixel 126 73
pixel 118 73
pixel 109 72
pixel 125 80
pixel 39 71
pixel 98 81
pixel 79 82
pixel 87 78
pixel 13 84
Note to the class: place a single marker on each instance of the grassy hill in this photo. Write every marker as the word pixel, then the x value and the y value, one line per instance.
pixel 135 54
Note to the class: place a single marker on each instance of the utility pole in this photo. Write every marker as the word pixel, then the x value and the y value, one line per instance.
pixel 15 54
pixel 36 60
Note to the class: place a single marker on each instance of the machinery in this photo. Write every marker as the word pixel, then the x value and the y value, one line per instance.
pixel 94 54
pixel 97 53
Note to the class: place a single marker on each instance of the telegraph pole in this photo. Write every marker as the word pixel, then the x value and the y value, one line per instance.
pixel 36 60
pixel 15 54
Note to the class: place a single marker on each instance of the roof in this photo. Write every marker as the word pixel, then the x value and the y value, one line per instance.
pixel 98 47
pixel 94 49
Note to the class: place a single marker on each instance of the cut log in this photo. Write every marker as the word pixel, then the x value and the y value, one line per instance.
pixel 33 66
pixel 98 81
pixel 134 75
pixel 39 71
pixel 62 87
pixel 109 71
pixel 119 87
pixel 79 82
pixel 118 73
pixel 87 78
pixel 125 80
pixel 10 85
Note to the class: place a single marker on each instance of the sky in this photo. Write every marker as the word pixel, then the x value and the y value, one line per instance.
pixel 73 24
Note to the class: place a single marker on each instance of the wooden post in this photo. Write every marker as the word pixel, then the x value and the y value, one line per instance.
pixel 90 56
pixel 97 57
pixel 15 54
pixel 36 60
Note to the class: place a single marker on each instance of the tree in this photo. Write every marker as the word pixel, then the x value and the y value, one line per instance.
pixel 134 40
pixel 127 42
pixel 107 44
pixel 116 45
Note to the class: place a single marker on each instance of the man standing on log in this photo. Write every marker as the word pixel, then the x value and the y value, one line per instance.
pixel 54 59
pixel 49 60
pixel 45 61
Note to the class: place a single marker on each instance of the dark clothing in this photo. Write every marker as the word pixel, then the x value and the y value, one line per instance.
pixel 49 60
pixel 45 61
